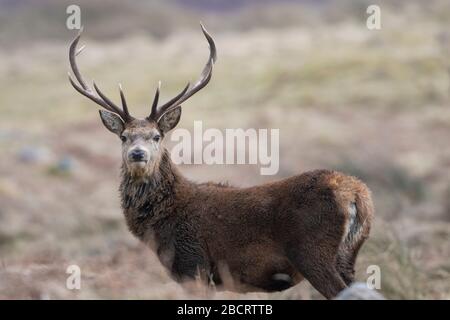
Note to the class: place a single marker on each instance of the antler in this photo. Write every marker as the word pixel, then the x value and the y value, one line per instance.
pixel 188 91
pixel 82 88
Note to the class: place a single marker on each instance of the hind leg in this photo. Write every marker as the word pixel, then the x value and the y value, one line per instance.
pixel 320 270
pixel 316 260
pixel 346 258
pixel 325 279
pixel 345 267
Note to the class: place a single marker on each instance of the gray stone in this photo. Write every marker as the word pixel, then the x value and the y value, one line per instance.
pixel 33 154
pixel 359 291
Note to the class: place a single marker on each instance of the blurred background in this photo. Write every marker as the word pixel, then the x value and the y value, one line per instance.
pixel 374 104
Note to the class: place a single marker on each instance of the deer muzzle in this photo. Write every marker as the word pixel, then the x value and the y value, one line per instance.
pixel 138 155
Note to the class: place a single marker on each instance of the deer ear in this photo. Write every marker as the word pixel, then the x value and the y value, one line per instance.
pixel 112 122
pixel 169 120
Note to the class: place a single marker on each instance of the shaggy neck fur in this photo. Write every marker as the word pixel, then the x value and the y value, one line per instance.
pixel 148 199
pixel 156 215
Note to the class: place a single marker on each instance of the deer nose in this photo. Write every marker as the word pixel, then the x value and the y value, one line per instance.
pixel 137 155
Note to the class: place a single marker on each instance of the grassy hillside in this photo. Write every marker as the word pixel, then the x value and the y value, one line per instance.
pixel 374 104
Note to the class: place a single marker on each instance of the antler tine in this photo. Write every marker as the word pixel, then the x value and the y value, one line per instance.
pixel 85 93
pixel 73 64
pixel 84 89
pixel 113 106
pixel 188 91
pixel 124 102
pixel 165 107
pixel 154 110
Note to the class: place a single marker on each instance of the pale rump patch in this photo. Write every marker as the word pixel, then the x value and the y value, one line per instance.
pixel 355 199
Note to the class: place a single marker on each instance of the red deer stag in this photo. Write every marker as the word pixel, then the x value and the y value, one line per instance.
pixel 267 237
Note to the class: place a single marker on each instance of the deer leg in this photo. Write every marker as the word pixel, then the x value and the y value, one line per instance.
pixel 345 267
pixel 345 262
pixel 319 269
pixel 325 279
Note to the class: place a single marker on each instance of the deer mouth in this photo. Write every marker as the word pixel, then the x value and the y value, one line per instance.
pixel 138 157
pixel 138 165
pixel 139 162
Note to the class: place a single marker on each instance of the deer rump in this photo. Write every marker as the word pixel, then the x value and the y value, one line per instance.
pixel 266 237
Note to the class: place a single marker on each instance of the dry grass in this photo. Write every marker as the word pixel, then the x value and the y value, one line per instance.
pixel 372 104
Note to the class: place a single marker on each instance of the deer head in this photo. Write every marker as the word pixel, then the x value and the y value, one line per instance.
pixel 141 138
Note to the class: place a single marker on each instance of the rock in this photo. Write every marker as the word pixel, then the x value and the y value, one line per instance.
pixel 63 167
pixel 33 155
pixel 66 164
pixel 359 291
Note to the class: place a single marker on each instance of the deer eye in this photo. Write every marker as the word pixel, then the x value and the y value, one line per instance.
pixel 123 138
pixel 156 138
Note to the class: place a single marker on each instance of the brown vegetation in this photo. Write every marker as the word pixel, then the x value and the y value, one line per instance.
pixel 371 104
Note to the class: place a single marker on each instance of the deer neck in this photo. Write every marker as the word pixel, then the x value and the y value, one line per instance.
pixel 150 199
